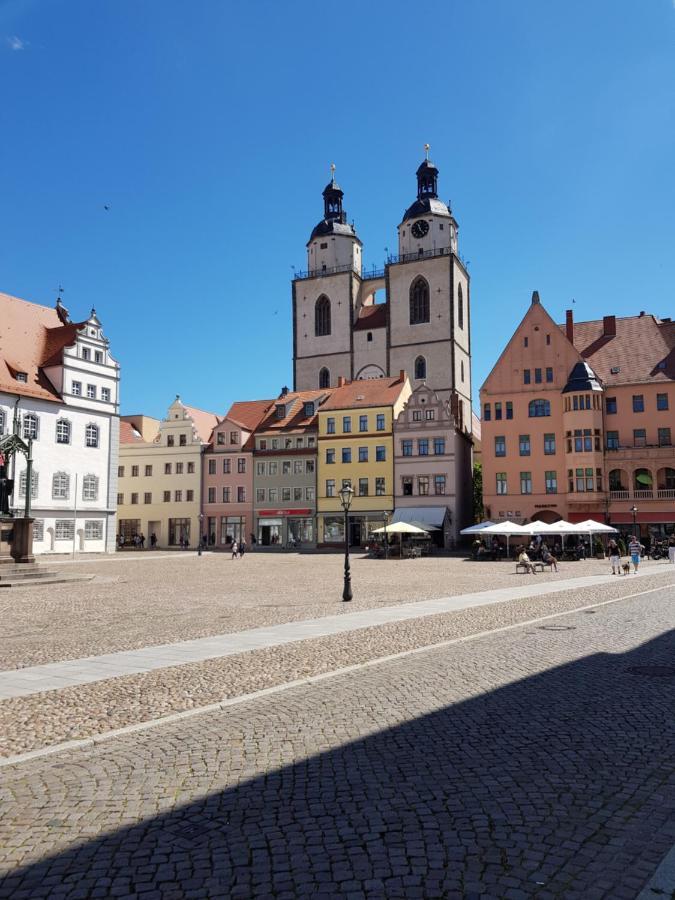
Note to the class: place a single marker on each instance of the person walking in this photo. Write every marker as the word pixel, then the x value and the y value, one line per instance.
pixel 142 541
pixel 671 548
pixel 614 557
pixel 242 548
pixel 153 540
pixel 235 550
pixel 634 548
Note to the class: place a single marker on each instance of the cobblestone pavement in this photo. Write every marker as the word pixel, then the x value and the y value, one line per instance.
pixel 140 599
pixel 534 762
pixel 34 722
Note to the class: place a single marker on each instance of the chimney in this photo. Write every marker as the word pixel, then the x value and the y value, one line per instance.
pixel 284 391
pixel 402 375
pixel 341 381
pixel 569 325
pixel 609 326
pixel 535 297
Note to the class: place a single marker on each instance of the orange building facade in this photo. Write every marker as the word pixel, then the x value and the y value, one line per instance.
pixel 578 422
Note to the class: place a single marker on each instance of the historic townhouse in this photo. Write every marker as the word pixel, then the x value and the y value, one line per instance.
pixel 285 470
pixel 227 492
pixel 356 446
pixel 432 460
pixel 160 473
pixel 60 381
pixel 578 422
pixel 423 325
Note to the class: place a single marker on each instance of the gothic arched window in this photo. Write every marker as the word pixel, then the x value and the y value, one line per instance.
pixel 460 307
pixel 324 378
pixel 90 487
pixel 91 436
pixel 322 316
pixel 419 301
pixel 420 367
pixel 30 426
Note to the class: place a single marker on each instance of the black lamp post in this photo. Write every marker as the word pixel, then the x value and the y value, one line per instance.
pixel 634 510
pixel 201 529
pixel 346 496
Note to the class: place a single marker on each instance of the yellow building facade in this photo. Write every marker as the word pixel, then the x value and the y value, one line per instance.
pixel 356 446
pixel 160 476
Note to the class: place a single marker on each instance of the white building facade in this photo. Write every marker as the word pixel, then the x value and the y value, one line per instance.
pixel 60 382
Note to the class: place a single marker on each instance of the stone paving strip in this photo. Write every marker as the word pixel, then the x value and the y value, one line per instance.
pixel 70 673
pixel 130 604
pixel 536 762
pixel 41 720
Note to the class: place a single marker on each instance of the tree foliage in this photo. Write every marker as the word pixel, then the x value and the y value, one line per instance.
pixel 477 492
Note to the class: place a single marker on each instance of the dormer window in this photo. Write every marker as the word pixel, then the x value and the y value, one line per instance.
pixel 234 437
pixel 86 353
pixel 281 410
pixel 309 409
pixel 220 437
pixel 22 377
pixel 98 356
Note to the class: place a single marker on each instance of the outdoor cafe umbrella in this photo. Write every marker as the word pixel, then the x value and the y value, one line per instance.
pixel 593 527
pixel 400 528
pixel 475 529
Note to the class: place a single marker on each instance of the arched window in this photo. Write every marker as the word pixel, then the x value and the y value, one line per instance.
pixel 419 301
pixel 617 480
pixel 62 431
pixel 322 316
pixel 30 426
pixel 90 487
pixel 33 484
pixel 324 378
pixel 642 480
pixel 666 479
pixel 60 486
pixel 91 436
pixel 420 367
pixel 460 307
pixel 538 408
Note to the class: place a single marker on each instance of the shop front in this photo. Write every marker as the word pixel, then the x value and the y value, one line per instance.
pixel 287 529
pixel 361 528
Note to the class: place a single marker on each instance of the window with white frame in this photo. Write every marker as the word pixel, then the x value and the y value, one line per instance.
pixel 91 391
pixel 62 431
pixel 91 435
pixel 98 356
pixel 105 394
pixel 90 487
pixel 31 425
pixel 93 530
pixel 33 484
pixel 86 354
pixel 38 530
pixel 60 486
pixel 76 388
pixel 64 530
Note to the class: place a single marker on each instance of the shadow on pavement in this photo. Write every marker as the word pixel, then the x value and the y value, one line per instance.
pixel 558 785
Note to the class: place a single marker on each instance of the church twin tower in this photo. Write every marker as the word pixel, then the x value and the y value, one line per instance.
pixel 423 325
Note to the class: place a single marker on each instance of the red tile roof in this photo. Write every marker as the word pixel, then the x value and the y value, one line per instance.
pixel 248 413
pixel 640 344
pixel 128 434
pixel 31 338
pixel 370 317
pixel 370 392
pixel 204 422
pixel 295 406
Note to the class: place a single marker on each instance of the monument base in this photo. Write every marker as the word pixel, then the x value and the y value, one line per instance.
pixel 16 540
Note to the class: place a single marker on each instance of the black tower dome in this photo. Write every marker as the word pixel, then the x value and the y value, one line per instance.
pixel 427 193
pixel 334 217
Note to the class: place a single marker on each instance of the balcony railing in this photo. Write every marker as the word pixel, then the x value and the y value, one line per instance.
pixel 619 495
pixel 373 272
pixel 643 495
pixel 666 493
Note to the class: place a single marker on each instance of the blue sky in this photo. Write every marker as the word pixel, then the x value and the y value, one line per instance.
pixel 208 129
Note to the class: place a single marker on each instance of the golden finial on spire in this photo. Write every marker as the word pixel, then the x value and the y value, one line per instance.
pixel 427 148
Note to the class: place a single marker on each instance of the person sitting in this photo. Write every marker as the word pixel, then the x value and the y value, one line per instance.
pixel 524 560
pixel 548 559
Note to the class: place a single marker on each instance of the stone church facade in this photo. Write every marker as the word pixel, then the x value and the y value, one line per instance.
pixel 423 325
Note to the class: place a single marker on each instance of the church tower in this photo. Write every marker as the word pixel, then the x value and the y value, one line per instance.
pixel 325 297
pixel 422 327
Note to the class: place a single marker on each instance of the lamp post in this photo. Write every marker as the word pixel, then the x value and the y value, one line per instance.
pixel 634 511
pixel 201 530
pixel 386 541
pixel 346 496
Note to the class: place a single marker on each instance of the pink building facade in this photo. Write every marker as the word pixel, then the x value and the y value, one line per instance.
pixel 227 482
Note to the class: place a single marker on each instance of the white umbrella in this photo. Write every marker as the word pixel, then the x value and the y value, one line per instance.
pixel 475 529
pixel 400 528
pixel 505 529
pixel 593 527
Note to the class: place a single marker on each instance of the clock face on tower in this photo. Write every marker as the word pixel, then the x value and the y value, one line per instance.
pixel 420 228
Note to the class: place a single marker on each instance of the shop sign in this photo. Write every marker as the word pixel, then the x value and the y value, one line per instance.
pixel 267 513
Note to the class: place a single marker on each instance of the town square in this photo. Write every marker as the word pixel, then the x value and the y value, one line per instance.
pixel 337 474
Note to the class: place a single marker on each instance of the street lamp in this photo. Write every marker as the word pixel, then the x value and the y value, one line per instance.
pixel 346 494
pixel 201 531
pixel 634 510
pixel 386 542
